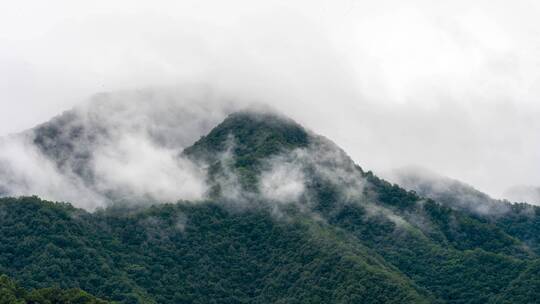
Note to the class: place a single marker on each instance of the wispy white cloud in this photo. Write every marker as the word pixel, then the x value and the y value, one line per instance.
pixel 448 85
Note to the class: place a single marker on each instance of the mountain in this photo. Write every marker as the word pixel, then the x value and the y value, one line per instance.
pixel 450 192
pixel 519 220
pixel 285 217
pixel 103 151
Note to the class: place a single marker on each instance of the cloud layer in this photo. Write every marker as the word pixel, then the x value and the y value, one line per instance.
pixel 450 86
pixel 118 147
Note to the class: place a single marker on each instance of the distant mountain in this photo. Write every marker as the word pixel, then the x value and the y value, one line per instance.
pixel 105 150
pixel 520 220
pixel 452 193
pixel 283 216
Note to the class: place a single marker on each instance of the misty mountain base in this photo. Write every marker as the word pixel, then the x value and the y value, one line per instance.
pixel 287 218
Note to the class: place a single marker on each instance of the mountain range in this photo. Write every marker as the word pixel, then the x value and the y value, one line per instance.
pixel 257 210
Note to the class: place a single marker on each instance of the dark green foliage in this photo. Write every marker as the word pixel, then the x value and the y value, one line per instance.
pixel 254 137
pixel 11 293
pixel 453 275
pixel 524 289
pixel 149 256
pixel 522 222
pixel 389 194
pixel 172 253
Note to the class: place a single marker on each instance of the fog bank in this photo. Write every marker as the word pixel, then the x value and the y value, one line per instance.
pixel 449 86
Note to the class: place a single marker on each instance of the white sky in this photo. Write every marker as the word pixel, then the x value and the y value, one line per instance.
pixel 449 85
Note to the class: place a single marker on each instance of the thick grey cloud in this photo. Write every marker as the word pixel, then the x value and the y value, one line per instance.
pixel 450 86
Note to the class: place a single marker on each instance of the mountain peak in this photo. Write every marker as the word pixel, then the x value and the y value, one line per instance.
pixel 242 142
pixel 252 135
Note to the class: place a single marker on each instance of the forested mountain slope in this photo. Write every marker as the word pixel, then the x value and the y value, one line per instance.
pixel 288 217
pixel 520 220
pixel 176 253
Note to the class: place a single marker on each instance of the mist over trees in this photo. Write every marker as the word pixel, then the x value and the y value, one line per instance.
pixel 343 236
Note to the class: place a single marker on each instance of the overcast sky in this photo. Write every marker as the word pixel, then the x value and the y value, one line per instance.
pixel 452 86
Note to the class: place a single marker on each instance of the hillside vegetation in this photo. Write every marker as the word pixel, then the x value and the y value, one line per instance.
pixel 347 237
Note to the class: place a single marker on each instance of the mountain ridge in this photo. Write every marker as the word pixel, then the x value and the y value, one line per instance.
pixel 340 234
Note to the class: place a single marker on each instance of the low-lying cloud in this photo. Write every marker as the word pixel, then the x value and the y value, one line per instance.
pixel 449 86
pixel 450 192
pixel 136 167
pixel 293 177
pixel 123 146
pixel 24 170
pixel 283 182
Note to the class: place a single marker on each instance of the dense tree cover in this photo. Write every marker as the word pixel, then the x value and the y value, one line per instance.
pixel 381 244
pixel 180 253
pixel 524 289
pixel 256 136
pixel 193 254
pixel 522 222
pixel 458 257
pixel 12 293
